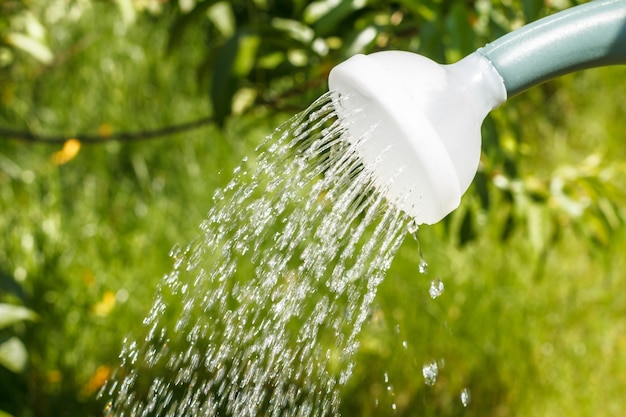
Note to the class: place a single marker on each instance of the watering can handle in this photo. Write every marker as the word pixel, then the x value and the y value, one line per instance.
pixel 585 36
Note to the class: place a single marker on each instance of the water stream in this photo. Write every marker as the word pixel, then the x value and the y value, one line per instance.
pixel 261 314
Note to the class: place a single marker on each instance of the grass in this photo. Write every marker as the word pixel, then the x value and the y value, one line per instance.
pixel 527 333
pixel 522 346
pixel 87 241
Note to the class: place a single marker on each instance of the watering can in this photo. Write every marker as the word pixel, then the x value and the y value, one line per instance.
pixel 419 126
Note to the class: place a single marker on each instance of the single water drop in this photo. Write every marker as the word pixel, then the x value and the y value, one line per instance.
pixel 430 371
pixel 436 288
pixel 466 397
pixel 423 267
pixel 405 345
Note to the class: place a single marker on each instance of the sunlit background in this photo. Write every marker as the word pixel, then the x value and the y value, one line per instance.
pixel 530 312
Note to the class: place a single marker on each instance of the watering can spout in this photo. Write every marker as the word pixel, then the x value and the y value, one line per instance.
pixel 416 124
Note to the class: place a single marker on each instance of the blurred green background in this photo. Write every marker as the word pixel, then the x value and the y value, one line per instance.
pixel 533 317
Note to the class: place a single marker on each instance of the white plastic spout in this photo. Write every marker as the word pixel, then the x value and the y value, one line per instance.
pixel 416 124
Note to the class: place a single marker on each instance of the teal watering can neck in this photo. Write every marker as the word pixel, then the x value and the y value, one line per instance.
pixel 585 36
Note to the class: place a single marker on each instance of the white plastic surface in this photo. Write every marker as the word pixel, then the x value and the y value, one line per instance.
pixel 416 124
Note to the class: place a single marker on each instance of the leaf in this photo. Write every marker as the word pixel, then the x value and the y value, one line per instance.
pixel 224 84
pixel 294 29
pixel 13 355
pixel 5 414
pixel 234 61
pixel 335 12
pixel 243 99
pixel 481 187
pixel 35 47
pixel 9 285
pixel 362 40
pixel 185 21
pixel 246 54
pixel 539 226
pixel 11 314
pixel 597 230
pixel 127 10
pixel 532 9
pixel 467 232
pixel 421 10
pixel 223 17
pixel 186 5
pixel 461 33
pixel 508 227
pixel 610 213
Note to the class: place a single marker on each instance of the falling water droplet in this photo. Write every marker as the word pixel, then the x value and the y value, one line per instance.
pixel 436 288
pixel 466 397
pixel 423 267
pixel 413 227
pixel 430 371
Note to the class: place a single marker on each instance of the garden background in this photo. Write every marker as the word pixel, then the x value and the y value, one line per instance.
pixel 118 120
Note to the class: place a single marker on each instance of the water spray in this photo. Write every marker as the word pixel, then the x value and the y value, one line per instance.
pixel 418 124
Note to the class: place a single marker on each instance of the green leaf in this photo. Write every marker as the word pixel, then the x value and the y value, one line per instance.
pixel 222 16
pixel 9 285
pixel 246 54
pixel 11 314
pixel 332 15
pixel 481 187
pixel 234 61
pixel 362 40
pixel 539 226
pixel 532 9
pixel 294 29
pixel 223 83
pixel 35 47
pixel 185 21
pixel 467 232
pixel 610 213
pixel 127 10
pixel 13 355
pixel 422 10
pixel 5 414
pixel 462 35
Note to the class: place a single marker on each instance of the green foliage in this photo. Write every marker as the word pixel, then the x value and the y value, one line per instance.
pixel 10 314
pixel 531 317
pixel 22 32
pixel 13 352
pixel 274 43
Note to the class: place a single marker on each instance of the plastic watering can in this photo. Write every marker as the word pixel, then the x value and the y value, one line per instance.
pixel 424 147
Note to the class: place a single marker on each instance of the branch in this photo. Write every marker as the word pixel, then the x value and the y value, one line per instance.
pixel 27 136
pixel 6 133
